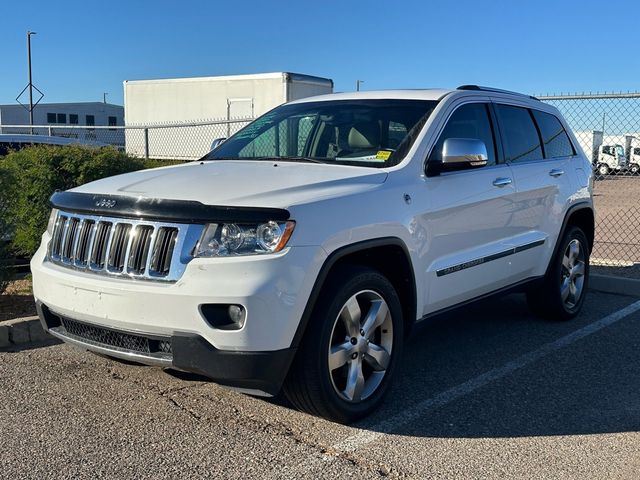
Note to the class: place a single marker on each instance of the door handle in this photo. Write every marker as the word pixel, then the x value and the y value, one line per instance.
pixel 502 182
pixel 556 172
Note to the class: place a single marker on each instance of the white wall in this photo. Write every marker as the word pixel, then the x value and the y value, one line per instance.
pixel 18 115
pixel 202 99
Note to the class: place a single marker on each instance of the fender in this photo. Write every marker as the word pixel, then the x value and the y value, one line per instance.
pixel 328 264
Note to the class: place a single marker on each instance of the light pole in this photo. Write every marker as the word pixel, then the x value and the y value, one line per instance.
pixel 104 97
pixel 30 82
pixel 358 82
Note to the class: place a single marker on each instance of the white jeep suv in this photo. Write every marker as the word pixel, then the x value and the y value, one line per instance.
pixel 299 253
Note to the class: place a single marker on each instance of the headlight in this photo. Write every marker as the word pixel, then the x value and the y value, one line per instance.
pixel 52 221
pixel 229 239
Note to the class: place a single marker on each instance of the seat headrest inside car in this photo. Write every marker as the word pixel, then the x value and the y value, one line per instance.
pixel 364 135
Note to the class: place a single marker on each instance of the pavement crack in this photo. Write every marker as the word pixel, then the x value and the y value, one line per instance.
pixel 184 408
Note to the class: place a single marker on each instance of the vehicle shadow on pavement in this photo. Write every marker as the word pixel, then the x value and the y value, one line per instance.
pixel 31 345
pixel 587 387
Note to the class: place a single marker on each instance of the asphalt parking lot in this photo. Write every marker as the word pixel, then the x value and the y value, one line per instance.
pixel 486 391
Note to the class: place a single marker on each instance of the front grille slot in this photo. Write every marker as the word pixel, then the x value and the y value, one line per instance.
pixel 82 246
pixel 99 248
pixel 163 251
pixel 113 339
pixel 117 247
pixel 56 239
pixel 71 228
pixel 140 249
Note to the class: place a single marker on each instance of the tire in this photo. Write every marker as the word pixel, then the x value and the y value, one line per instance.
pixel 561 294
pixel 603 169
pixel 358 381
pixel 634 168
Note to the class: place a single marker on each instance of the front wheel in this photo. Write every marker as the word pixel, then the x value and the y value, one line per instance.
pixel 561 294
pixel 634 168
pixel 351 348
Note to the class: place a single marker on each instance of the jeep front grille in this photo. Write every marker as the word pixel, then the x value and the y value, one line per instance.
pixel 122 247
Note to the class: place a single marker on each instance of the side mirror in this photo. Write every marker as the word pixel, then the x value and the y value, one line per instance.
pixel 459 154
pixel 217 142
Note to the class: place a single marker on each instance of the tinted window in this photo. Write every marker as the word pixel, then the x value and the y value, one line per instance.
pixel 90 120
pixel 113 121
pixel 373 133
pixel 73 118
pixel 521 140
pixel 554 137
pixel 468 121
pixel 62 118
pixel 51 118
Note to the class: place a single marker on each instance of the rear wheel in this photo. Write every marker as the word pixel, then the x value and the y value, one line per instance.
pixel 351 348
pixel 603 169
pixel 634 168
pixel 562 292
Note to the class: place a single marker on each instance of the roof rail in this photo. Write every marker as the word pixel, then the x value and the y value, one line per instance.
pixel 496 90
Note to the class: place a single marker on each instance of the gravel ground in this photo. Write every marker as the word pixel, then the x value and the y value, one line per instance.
pixel 17 300
pixel 573 412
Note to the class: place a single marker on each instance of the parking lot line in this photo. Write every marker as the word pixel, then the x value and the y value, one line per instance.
pixel 374 431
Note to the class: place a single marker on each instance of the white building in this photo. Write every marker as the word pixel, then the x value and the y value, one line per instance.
pixel 72 120
pixel 200 102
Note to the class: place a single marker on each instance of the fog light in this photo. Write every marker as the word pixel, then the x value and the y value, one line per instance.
pixel 237 314
pixel 224 316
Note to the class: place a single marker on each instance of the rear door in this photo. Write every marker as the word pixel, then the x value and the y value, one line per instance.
pixel 539 152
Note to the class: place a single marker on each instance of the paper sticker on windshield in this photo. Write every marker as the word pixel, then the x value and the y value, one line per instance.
pixel 383 155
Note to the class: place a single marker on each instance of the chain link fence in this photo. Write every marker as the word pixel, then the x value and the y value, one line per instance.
pixel 607 127
pixel 180 141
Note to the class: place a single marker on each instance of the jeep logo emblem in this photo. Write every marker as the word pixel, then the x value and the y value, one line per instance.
pixel 105 203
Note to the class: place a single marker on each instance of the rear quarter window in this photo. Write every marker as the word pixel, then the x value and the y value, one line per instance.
pixel 554 136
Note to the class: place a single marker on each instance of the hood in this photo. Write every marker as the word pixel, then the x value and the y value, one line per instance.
pixel 241 183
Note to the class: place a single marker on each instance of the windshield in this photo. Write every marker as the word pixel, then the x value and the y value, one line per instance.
pixel 373 133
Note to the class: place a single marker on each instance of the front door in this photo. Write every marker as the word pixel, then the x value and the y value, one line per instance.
pixel 467 219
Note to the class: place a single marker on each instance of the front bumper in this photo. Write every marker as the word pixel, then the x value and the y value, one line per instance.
pixel 252 372
pixel 273 289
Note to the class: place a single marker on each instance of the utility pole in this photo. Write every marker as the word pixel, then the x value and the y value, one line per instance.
pixel 604 116
pixel 358 82
pixel 30 81
pixel 104 97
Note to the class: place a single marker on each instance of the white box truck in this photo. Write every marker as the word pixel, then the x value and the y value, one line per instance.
pixel 606 154
pixel 202 100
pixel 632 152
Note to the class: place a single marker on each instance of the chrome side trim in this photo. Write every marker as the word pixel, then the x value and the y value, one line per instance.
pixel 153 360
pixel 488 258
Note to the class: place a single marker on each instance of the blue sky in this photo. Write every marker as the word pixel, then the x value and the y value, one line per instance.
pixel 85 48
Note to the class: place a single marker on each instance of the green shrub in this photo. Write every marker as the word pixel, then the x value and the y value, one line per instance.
pixel 32 174
pixel 4 231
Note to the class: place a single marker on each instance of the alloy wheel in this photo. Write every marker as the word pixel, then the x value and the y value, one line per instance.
pixel 572 276
pixel 360 347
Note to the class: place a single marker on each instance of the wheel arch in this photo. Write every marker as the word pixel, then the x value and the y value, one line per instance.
pixel 389 255
pixel 579 215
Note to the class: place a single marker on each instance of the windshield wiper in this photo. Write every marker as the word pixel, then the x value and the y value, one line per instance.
pixel 298 159
pixel 267 158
